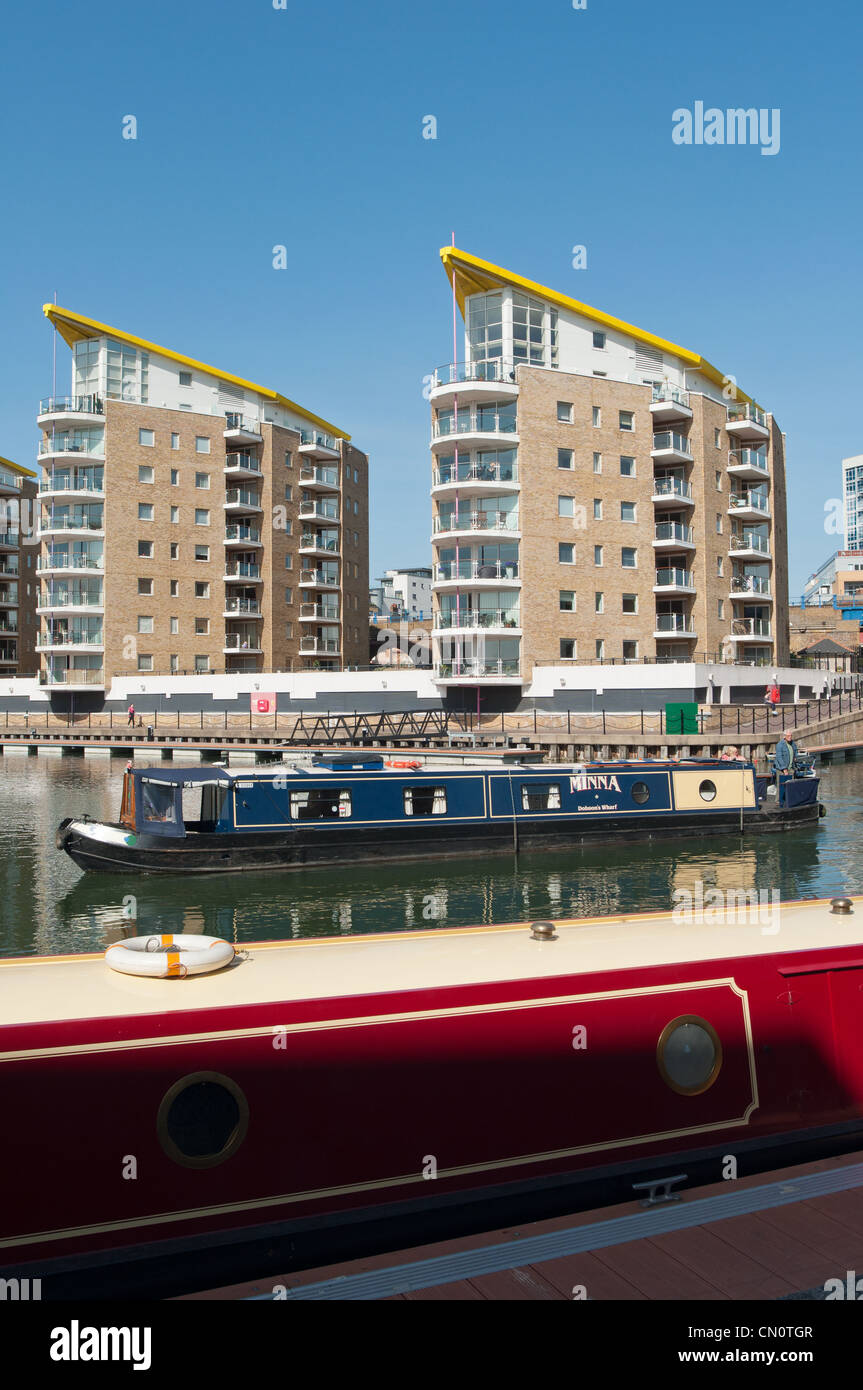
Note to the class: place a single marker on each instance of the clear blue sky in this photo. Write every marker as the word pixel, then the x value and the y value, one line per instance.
pixel 303 127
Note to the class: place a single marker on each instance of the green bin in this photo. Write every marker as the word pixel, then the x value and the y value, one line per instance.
pixel 681 718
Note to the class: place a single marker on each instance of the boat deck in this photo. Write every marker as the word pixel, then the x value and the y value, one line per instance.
pixel 49 989
pixel 779 1235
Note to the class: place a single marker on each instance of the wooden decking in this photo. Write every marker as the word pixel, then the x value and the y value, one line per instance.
pixel 775 1253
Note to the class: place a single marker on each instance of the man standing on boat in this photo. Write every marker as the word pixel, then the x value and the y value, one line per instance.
pixel 786 752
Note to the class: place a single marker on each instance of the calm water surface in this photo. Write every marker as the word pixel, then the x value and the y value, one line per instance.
pixel 48 905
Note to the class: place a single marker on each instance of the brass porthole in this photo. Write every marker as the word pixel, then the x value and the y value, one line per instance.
pixel 689 1055
pixel 202 1120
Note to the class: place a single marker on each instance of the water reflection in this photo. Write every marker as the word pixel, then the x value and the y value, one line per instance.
pixel 48 905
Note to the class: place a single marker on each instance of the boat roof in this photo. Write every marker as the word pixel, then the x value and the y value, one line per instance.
pixel 46 989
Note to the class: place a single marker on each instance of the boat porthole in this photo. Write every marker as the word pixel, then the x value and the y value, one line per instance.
pixel 689 1055
pixel 640 792
pixel 202 1120
pixel 707 790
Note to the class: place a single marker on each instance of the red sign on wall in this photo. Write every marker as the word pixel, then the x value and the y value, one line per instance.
pixel 263 704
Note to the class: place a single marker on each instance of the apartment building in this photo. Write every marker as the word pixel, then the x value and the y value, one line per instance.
pixel 192 521
pixel 840 577
pixel 406 592
pixel 17 569
pixel 852 495
pixel 596 494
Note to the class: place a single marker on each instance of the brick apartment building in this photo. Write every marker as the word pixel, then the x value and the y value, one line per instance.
pixel 17 570
pixel 192 521
pixel 595 494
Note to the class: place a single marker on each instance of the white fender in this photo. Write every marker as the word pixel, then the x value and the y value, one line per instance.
pixel 169 956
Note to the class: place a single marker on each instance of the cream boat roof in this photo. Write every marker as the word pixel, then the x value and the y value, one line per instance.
pixel 45 988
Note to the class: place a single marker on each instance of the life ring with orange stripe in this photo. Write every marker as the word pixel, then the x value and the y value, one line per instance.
pixel 169 957
pixel 393 762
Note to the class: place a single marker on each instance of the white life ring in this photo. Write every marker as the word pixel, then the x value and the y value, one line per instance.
pixel 169 957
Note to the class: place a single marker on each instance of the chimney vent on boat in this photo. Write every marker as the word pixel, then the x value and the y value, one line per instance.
pixel 543 931
pixel 841 905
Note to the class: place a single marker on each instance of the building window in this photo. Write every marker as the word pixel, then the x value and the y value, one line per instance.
pixel 145 511
pixel 600 649
pixel 565 553
pixel 719 566
pixel 175 515
pixel 630 651
pixel 597 416
pixel 145 624
pixel 598 340
pixel 597 509
pixel 627 557
pixel 565 458
pixel 175 588
pixel 627 466
pixel 717 438
pixel 627 511
pixel 175 441
pixel 629 603
pixel 145 550
pixel 567 648
pixel 567 601
pixel 566 506
pixel 145 663
pixel 356 508
pixel 719 608
pixel 175 626
pixel 202 627
pixel 175 477
pixel 202 480
pixel 175 551
pixel 145 586
pixel 185 378
pixel 289 595
pixel 599 602
pixel 425 801
pixel 289 460
pixel 145 473
pixel 202 516
pixel 202 552
pixel 627 420
pixel 289 492
pixel 718 481
pixel 289 562
pixel 564 412
pixel 597 463
pixel 147 438
pixel 202 663
pixel 356 537
pixel 175 663
pixel 289 630
pixel 597 554
pixel 202 444
pixel 202 589
pixel 719 523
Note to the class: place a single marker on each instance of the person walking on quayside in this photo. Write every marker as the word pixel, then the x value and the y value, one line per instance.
pixel 772 695
pixel 131 718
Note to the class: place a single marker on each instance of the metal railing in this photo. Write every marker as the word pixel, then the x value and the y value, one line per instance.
pixel 319 510
pixel 754 500
pixel 66 676
pixel 490 369
pixel 64 522
pixel 243 570
pixel 674 622
pixel 476 569
pixel 238 642
pixel 242 605
pixel 323 441
pixel 448 670
pixel 749 541
pixel 448 474
pixel 672 487
pixel 673 531
pixel 65 482
pixel 62 444
pixel 474 422
pixel 76 405
pixel 75 637
pixel 740 411
pixel 320 612
pixel 329 645
pixel 320 578
pixel 327 477
pixel 749 584
pixel 672 394
pixel 478 521
pixel 249 463
pixel 67 598
pixel 242 497
pixel 751 627
pixel 235 420
pixel 674 578
pixel 310 541
pixel 250 534
pixel 747 458
pixel 63 560
pixel 668 439
pixel 475 618
pixel 10 538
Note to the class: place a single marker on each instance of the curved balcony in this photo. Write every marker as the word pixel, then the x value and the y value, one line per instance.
pixel 69 642
pixel 749 547
pixel 243 572
pixel 669 447
pixel 61 447
pixel 669 403
pixel 68 411
pixel 239 499
pixel 468 672
pixel 63 563
pixel 72 525
pixel 672 492
pixel 674 581
pixel 314 444
pixel 242 465
pixel 475 479
pixel 72 488
pixel 674 626
pixel 475 429
pixel 489 380
pixel 10 483
pixel 10 540
pixel 503 621
pixel 489 523
pixel 747 422
pixel 748 464
pixel 239 430
pixel 749 506
pixel 245 537
pixel 319 479
pixel 70 603
pixel 469 573
pixel 672 535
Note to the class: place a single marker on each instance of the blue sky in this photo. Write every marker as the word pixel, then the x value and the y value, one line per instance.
pixel 303 127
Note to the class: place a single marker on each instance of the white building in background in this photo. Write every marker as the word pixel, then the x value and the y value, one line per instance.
pixel 852 492
pixel 406 592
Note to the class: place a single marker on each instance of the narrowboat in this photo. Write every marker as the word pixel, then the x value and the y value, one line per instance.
pixel 344 809
pixel 316 1099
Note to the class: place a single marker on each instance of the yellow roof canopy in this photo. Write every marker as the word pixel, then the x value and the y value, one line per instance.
pixel 16 468
pixel 470 275
pixel 74 327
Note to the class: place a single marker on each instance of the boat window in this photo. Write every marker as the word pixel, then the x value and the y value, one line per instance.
pixel 425 801
pixel 689 1055
pixel 157 800
pixel 202 1120
pixel 707 790
pixel 320 803
pixel 212 803
pixel 540 796
pixel 640 792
